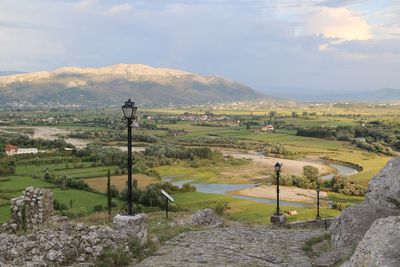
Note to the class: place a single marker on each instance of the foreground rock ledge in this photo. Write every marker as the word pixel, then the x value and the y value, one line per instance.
pixel 380 245
pixel 382 200
pixel 235 246
pixel 133 226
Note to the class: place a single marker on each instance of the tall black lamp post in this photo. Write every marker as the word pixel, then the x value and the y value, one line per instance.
pixel 129 110
pixel 318 190
pixel 277 167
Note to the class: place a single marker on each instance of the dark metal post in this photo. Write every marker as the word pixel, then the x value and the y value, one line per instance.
pixel 318 189
pixel 277 193
pixel 166 208
pixel 130 200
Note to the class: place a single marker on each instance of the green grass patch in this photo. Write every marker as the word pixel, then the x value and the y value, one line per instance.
pixel 246 211
pixel 80 199
pixel 340 198
pixel 19 183
pixel 5 213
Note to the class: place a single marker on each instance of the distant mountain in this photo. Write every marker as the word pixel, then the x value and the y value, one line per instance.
pixel 6 73
pixel 114 84
pixel 384 95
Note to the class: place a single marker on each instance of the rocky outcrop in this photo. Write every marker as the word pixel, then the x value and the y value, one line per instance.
pixel 205 217
pixel 133 226
pixel 64 244
pixel 380 245
pixel 352 224
pixel 45 240
pixel 235 246
pixel 382 200
pixel 32 209
pixel 384 188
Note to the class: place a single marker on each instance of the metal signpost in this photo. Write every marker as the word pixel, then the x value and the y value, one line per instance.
pixel 167 198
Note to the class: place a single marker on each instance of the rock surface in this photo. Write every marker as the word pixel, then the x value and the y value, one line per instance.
pixel 380 245
pixel 352 224
pixel 384 188
pixel 382 198
pixel 134 226
pixel 235 246
pixel 63 243
pixel 32 209
pixel 206 217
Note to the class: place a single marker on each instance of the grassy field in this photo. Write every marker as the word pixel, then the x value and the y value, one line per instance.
pixel 19 183
pixel 60 169
pixel 79 198
pixel 304 146
pixel 12 186
pixel 100 183
pixel 245 211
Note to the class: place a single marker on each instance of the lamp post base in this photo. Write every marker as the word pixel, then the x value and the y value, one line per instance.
pixel 279 220
pixel 132 226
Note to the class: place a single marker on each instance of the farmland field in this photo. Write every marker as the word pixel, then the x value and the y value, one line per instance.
pixel 100 183
pixel 162 127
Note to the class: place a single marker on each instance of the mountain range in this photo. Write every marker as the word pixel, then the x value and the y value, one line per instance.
pixel 114 84
pixel 380 96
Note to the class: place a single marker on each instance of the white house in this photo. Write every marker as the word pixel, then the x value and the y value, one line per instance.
pixel 13 150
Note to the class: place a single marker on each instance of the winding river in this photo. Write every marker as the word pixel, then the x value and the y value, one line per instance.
pixel 224 189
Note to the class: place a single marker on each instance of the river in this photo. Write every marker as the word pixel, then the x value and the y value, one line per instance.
pixel 225 189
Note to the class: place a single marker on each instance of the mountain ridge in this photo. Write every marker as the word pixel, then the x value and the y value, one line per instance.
pixel 112 84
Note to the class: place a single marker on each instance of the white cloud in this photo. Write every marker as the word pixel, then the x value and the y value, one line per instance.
pixel 85 4
pixel 339 23
pixel 116 9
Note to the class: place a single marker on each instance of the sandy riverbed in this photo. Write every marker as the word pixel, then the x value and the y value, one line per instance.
pixel 289 166
pixel 53 133
pixel 286 193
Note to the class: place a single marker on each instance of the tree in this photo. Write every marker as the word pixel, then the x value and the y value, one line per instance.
pixel 109 197
pixel 311 173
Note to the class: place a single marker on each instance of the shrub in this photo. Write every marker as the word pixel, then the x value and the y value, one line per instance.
pixel 188 188
pixel 219 207
pixel 98 208
pixel 59 206
pixel 343 185
pixel 340 206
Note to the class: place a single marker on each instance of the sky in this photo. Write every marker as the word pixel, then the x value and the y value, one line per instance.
pixel 270 45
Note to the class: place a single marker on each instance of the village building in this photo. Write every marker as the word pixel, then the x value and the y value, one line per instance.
pixel 267 128
pixel 14 150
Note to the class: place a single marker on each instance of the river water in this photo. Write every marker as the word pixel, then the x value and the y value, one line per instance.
pixel 224 189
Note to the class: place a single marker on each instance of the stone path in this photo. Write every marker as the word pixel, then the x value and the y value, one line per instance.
pixel 235 246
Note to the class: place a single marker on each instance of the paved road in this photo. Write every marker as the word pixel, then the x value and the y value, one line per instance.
pixel 235 246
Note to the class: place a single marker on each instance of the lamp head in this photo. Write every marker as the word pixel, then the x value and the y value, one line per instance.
pixel 129 109
pixel 278 166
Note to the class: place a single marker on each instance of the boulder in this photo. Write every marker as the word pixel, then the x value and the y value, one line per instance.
pixel 133 226
pixel 384 188
pixel 380 245
pixel 352 224
pixel 382 200
pixel 205 217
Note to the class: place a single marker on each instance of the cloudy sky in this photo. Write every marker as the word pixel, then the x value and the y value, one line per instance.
pixel 270 45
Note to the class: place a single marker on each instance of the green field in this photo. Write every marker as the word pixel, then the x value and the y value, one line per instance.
pixel 60 169
pixel 14 185
pixel 245 211
pixel 335 150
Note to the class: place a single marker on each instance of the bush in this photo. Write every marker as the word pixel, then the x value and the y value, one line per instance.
pixel 343 185
pixel 59 206
pixel 340 206
pixel 188 188
pixel 219 207
pixel 98 208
